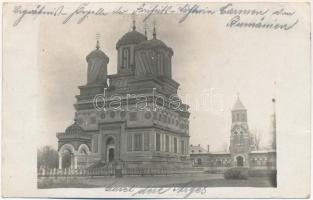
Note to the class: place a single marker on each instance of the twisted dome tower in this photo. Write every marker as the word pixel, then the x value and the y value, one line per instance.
pixel 97 67
pixel 125 50
pixel 153 57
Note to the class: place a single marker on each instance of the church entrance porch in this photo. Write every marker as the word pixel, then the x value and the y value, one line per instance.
pixel 67 157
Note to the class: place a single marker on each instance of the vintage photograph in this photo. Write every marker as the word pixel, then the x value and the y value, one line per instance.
pixel 183 97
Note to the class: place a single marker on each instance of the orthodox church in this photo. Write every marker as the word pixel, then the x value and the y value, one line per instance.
pixel 156 136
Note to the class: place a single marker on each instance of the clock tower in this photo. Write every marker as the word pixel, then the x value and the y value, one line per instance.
pixel 239 138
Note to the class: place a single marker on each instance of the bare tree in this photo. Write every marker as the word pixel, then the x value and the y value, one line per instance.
pixel 256 136
pixel 47 157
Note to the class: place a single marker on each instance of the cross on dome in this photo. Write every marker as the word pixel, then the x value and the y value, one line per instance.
pixel 154 29
pixel 98 37
pixel 134 22
pixel 145 26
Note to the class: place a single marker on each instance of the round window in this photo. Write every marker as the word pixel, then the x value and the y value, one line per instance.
pixel 148 115
pixel 102 115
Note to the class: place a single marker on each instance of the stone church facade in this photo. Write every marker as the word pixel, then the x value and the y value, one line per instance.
pixel 133 117
pixel 242 150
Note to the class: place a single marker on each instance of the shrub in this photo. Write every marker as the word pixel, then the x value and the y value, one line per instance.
pixel 237 173
pixel 273 178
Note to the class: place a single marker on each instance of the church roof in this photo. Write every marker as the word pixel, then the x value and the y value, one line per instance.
pixel 74 129
pixel 197 149
pixel 153 43
pixel 238 105
pixel 132 37
pixel 97 53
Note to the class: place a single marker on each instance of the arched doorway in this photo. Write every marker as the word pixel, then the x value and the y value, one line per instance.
pixel 239 160
pixel 111 154
pixel 110 149
pixel 199 161
pixel 67 157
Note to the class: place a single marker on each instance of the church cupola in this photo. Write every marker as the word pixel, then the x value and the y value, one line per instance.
pixel 97 67
pixel 125 50
pixel 239 112
pixel 153 57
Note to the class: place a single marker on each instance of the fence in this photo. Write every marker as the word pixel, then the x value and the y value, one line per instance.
pixel 113 171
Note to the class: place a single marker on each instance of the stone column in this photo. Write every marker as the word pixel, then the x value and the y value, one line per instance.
pixel 100 147
pixel 60 161
pixel 75 162
pixel 72 161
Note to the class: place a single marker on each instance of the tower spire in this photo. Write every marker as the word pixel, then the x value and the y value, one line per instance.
pixel 75 118
pixel 97 37
pixel 134 22
pixel 238 105
pixel 145 27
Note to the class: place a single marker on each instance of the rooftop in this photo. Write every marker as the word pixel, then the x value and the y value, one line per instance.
pixel 238 105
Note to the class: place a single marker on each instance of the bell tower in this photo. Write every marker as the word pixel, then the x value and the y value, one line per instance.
pixel 240 137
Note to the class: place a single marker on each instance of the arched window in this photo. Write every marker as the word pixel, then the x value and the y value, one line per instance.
pixel 199 161
pixel 158 142
pixel 125 57
pixel 167 143
pixel 175 145
pixel 237 139
pixel 110 141
pixel 138 142
pixel 241 139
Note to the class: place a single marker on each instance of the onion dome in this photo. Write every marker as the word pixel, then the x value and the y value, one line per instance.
pixel 74 129
pixel 154 43
pixel 97 53
pixel 132 37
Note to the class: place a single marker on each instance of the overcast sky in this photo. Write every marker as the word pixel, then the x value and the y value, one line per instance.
pixel 209 58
